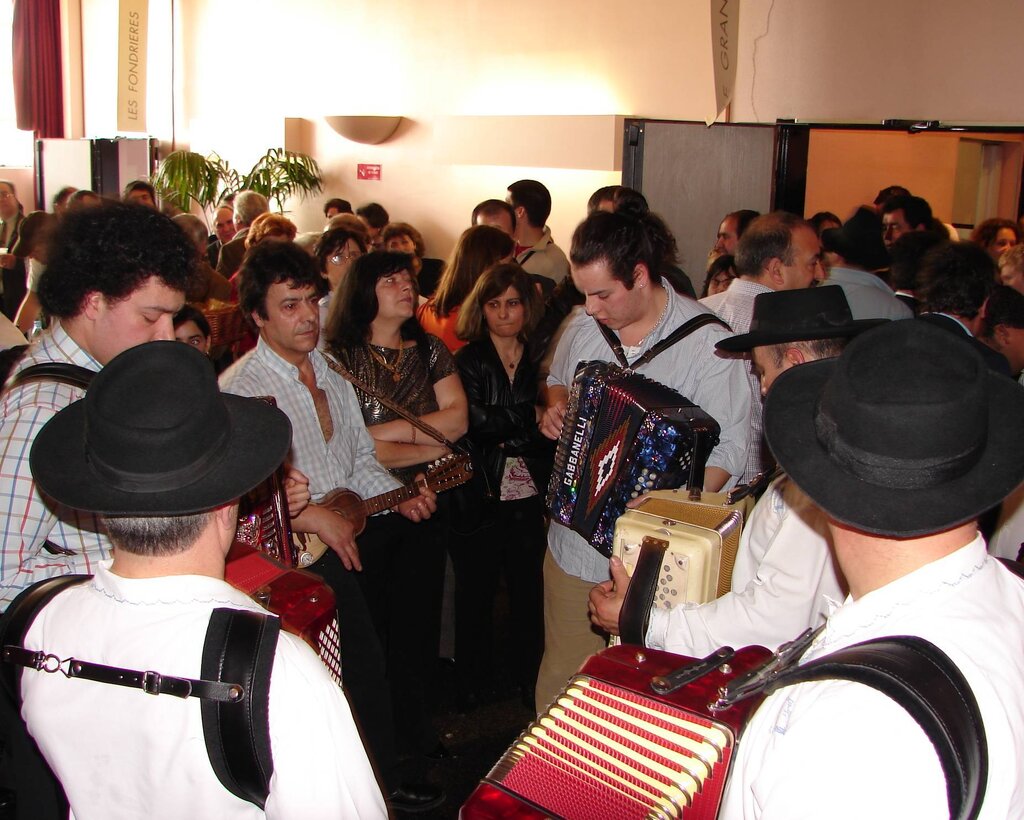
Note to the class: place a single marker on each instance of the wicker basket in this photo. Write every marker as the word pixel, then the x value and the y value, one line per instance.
pixel 227 324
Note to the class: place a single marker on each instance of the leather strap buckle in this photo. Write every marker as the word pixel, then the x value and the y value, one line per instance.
pixel 151 683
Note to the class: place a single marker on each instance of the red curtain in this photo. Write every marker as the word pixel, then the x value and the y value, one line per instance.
pixel 38 80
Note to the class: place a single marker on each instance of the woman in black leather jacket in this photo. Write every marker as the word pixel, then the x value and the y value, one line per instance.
pixel 499 517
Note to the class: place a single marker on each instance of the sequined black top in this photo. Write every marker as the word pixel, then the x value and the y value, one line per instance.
pixel 413 389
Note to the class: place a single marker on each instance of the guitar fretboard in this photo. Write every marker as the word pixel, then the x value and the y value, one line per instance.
pixel 385 501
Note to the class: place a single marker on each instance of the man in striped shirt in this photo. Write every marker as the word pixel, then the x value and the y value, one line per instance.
pixel 117 276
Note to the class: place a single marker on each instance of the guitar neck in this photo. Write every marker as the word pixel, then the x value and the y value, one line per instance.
pixel 386 501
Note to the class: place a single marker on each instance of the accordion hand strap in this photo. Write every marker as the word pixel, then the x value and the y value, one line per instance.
pixel 415 421
pixel 676 335
pixel 636 606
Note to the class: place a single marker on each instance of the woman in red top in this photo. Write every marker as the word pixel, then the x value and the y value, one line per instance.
pixel 478 248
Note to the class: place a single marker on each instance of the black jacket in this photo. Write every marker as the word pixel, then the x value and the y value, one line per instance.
pixel 996 361
pixel 502 413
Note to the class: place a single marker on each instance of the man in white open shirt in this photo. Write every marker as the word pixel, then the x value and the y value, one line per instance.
pixel 162 456
pixel 903 440
pixel 785 579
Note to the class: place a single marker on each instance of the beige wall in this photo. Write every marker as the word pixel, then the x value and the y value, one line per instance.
pixel 430 61
pixel 846 169
pixel 243 68
pixel 877 59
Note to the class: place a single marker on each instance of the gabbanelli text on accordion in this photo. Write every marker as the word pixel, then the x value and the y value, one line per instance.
pixel 623 435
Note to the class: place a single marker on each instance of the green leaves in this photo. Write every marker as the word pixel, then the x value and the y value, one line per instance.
pixel 281 174
pixel 185 177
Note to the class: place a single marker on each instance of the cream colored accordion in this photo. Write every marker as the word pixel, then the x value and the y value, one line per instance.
pixel 684 543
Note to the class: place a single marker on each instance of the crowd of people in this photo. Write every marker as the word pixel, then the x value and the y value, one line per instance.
pixel 893 450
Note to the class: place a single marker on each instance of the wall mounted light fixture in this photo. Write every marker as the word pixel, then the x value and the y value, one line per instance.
pixel 365 129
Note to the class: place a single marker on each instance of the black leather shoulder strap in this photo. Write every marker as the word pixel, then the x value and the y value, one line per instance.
pixel 18 618
pixel 923 680
pixel 72 374
pixel 1016 567
pixel 240 647
pixel 685 329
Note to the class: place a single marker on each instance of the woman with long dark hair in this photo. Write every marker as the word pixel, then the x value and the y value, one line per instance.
pixel 373 331
pixel 500 528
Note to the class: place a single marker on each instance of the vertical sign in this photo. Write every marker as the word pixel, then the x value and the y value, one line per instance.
pixel 133 16
pixel 724 29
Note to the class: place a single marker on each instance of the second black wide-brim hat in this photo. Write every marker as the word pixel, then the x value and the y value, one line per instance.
pixel 797 316
pixel 155 436
pixel 907 433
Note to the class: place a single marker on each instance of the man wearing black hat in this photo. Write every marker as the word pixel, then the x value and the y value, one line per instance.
pixel 903 453
pixel 162 456
pixel 117 276
pixel 784 579
pixel 855 251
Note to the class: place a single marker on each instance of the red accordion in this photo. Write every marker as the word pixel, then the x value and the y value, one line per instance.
pixel 258 564
pixel 610 747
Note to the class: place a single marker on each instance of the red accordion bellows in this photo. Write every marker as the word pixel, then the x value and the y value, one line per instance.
pixel 609 747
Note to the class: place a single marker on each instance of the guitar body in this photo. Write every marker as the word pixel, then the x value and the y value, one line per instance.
pixel 348 505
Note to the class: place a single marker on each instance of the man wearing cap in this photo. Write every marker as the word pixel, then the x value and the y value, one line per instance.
pixel 903 453
pixel 162 456
pixel 784 580
pixel 778 251
pixel 855 251
pixel 117 276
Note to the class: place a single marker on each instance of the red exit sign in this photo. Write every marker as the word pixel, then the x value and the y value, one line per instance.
pixel 366 171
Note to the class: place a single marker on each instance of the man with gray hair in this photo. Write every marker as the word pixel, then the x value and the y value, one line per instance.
pixel 248 205
pixel 777 252
pixel 208 284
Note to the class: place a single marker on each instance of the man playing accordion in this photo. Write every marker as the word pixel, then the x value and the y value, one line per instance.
pixel 615 261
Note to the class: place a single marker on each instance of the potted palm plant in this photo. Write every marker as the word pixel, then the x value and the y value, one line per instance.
pixel 186 177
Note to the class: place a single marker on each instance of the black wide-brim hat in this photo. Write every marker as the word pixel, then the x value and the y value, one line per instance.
pixel 155 436
pixel 907 433
pixel 798 316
